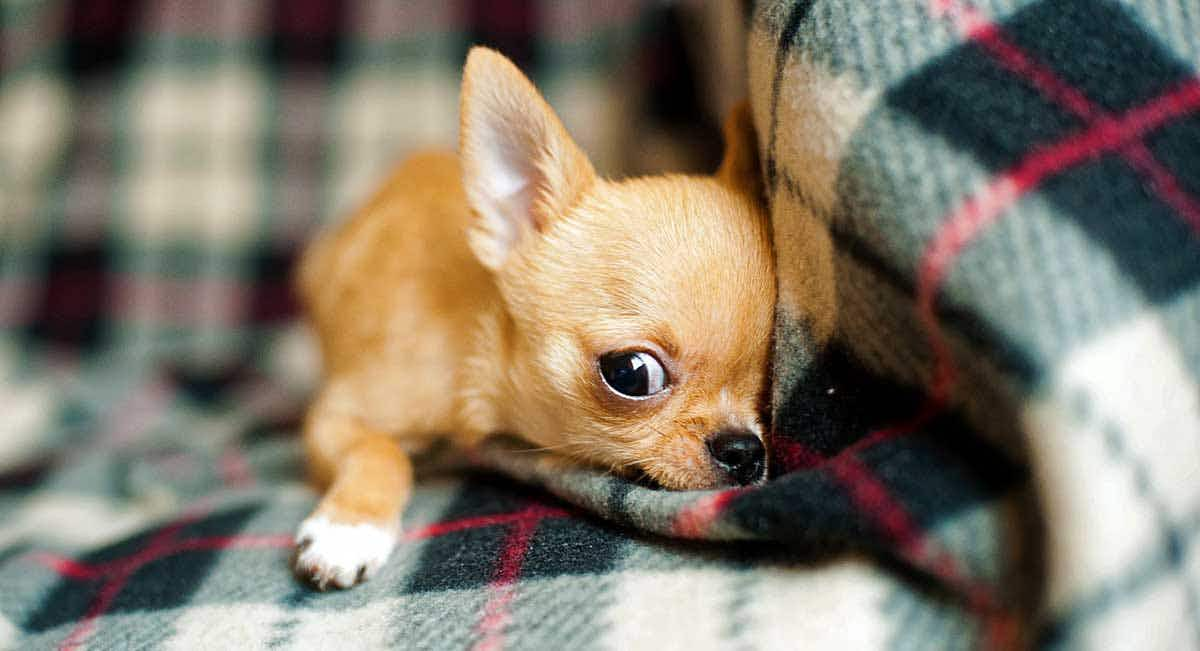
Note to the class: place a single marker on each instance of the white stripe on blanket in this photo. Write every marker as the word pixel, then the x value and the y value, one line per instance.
pixel 1115 444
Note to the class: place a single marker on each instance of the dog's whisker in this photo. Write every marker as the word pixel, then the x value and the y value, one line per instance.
pixel 545 448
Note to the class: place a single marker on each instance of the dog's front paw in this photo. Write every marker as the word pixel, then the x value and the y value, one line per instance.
pixel 339 554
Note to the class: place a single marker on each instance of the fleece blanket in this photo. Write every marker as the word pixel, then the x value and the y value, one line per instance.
pixel 999 449
pixel 1011 191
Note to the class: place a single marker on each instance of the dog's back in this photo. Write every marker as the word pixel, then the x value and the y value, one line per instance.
pixel 392 293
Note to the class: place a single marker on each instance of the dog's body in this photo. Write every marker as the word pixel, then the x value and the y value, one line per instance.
pixel 398 288
pixel 620 324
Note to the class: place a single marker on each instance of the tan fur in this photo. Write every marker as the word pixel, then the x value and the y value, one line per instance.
pixel 435 320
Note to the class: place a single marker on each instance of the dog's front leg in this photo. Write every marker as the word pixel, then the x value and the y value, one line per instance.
pixel 352 531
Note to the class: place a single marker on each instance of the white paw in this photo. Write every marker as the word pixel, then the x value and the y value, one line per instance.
pixel 339 554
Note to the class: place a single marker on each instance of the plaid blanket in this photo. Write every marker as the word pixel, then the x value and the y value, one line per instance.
pixel 1011 190
pixel 1000 449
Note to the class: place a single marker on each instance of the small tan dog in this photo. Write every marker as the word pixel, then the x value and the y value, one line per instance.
pixel 623 324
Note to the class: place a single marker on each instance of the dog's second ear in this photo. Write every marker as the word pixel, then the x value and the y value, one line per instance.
pixel 520 167
pixel 739 167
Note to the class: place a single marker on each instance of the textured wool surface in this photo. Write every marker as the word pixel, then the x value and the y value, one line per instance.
pixel 1000 449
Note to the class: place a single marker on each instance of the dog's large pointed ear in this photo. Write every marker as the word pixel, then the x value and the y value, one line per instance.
pixel 520 168
pixel 739 167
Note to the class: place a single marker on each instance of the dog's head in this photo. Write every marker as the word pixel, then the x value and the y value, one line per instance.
pixel 641 310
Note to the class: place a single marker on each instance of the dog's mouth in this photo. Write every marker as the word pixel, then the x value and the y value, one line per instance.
pixel 714 479
pixel 644 479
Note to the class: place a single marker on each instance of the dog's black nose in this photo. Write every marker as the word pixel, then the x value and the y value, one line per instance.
pixel 739 453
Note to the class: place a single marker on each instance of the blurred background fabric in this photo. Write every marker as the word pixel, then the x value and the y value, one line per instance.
pixel 163 161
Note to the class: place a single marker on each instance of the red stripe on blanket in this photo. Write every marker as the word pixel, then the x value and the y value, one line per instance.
pixel 73 569
pixel 108 593
pixel 235 468
pixel 873 497
pixel 501 591
pixel 695 519
pixel 530 514
pixel 921 550
pixel 793 455
pixel 66 567
pixel 1163 182
pixel 973 25
pixel 154 548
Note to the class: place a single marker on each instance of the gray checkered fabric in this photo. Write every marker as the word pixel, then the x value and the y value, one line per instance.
pixel 1013 191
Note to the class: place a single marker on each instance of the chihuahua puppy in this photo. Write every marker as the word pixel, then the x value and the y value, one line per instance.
pixel 619 324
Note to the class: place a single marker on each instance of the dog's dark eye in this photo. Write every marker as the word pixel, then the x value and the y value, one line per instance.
pixel 633 374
